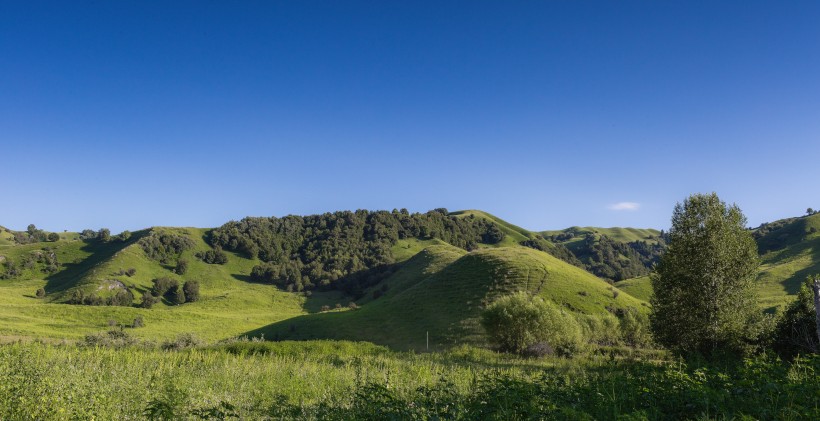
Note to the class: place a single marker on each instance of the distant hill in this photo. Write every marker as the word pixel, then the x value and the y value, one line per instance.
pixel 408 275
pixel 442 290
pixel 612 253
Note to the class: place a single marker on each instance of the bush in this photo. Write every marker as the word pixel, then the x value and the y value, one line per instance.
pixel 183 341
pixel 191 290
pixel 148 300
pixel 796 329
pixel 178 296
pixel 515 322
pixel 53 236
pixel 130 272
pixel 182 267
pixel 214 257
pixel 163 285
pixel 114 338
pixel 138 322
pixel 41 293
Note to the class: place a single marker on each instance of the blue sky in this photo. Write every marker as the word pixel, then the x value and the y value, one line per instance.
pixel 548 114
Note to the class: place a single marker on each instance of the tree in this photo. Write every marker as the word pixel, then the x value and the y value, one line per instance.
pixel 810 211
pixel 124 236
pixel 191 290
pixel 797 329
pixel 41 293
pixel 518 321
pixel 179 296
pixel 104 235
pixel 53 236
pixel 703 287
pixel 182 267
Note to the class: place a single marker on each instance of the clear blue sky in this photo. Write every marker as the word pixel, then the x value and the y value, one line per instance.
pixel 550 113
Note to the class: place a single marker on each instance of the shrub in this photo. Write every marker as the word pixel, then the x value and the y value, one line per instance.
pixel 182 267
pixel 352 305
pixel 41 293
pixel 325 308
pixel 53 236
pixel 183 341
pixel 138 322
pixel 215 256
pixel 515 322
pixel 130 272
pixel 114 338
pixel 178 296
pixel 148 300
pixel 163 285
pixel 191 290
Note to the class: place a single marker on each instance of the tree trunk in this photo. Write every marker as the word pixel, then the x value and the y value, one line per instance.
pixel 816 288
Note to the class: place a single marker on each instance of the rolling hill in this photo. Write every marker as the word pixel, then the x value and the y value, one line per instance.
pixel 430 286
pixel 442 290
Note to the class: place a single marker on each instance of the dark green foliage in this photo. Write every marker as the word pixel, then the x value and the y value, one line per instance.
pixel 780 234
pixel 191 291
pixel 41 293
pixel 300 253
pixel 182 267
pixel 215 256
pixel 53 236
pixel 11 269
pixel 104 235
pixel 178 296
pixel 703 289
pixel 138 322
pixel 796 331
pixel 31 235
pixel 130 272
pixel 165 247
pixel 182 341
pixel 164 287
pixel 88 234
pixel 122 297
pixel 557 250
pixel 124 236
pixel 148 300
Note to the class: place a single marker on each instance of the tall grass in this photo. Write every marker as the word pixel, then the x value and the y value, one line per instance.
pixel 345 380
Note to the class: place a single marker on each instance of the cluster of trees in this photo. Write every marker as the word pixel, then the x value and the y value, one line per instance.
pixel 215 256
pixel 328 250
pixel 46 258
pixel 165 247
pixel 122 297
pixel 104 235
pixel 172 291
pixel 610 259
pixel 558 250
pixel 34 235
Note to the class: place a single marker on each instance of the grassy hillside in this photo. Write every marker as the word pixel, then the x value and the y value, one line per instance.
pixel 445 300
pixel 790 252
pixel 229 305
pixel 640 288
pixel 624 235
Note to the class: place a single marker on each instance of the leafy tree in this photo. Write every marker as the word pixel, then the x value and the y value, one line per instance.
pixel 182 267
pixel 191 290
pixel 41 293
pixel 178 295
pixel 124 236
pixel 796 331
pixel 214 257
pixel 148 300
pixel 703 287
pixel 88 234
pixel 162 286
pixel 53 236
pixel 104 235
pixel 518 321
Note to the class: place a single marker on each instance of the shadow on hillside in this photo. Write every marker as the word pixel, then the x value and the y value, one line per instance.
pixel 792 285
pixel 99 252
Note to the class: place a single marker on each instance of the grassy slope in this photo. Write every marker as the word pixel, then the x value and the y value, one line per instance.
pixel 229 306
pixel 624 235
pixel 640 288
pixel 784 269
pixel 514 234
pixel 446 300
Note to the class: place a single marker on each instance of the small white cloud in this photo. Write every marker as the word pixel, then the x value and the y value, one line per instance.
pixel 624 206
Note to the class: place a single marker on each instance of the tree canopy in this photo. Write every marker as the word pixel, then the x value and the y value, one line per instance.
pixel 703 293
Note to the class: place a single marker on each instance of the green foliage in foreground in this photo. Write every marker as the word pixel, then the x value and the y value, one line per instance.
pixel 343 380
pixel 517 322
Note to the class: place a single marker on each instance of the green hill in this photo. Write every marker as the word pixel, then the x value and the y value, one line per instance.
pixel 790 251
pixel 640 288
pixel 443 291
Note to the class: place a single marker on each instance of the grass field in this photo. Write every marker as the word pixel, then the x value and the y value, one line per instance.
pixel 343 380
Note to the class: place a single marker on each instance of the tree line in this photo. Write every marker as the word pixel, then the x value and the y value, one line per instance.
pixel 329 250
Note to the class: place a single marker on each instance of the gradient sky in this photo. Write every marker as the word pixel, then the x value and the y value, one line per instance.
pixel 548 114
